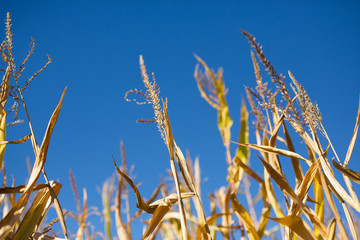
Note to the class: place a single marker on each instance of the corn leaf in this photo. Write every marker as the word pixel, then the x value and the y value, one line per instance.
pixel 355 176
pixel 319 206
pixel 286 189
pixel 336 186
pixel 270 193
pixel 244 217
pixel 7 223
pixel 353 229
pixel 41 236
pixel 305 185
pixel 235 173
pixel 21 188
pixel 36 213
pixel 331 230
pixel 159 213
pixel 275 150
pixel 353 139
pixel 243 152
pixel 265 214
pixel 24 139
pixel 2 136
pixel 162 206
pixel 297 225
pixel 218 92
pixel 294 161
pixel 140 203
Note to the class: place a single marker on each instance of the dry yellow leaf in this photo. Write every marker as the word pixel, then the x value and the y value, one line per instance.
pixel 244 217
pixel 297 225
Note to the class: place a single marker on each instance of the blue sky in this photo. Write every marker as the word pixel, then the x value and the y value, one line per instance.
pixel 95 46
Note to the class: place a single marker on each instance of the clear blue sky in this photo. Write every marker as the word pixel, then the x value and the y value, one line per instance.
pixel 95 46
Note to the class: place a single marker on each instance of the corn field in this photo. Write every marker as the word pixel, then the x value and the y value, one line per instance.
pixel 277 112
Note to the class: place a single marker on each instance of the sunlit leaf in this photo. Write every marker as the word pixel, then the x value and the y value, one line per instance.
pixel 24 139
pixel 245 217
pixel 294 161
pixel 275 150
pixel 331 230
pixel 140 203
pixel 297 225
pixel 2 136
pixel 286 189
pixel 235 173
pixel 37 212
pixel 265 214
pixel 319 206
pixel 13 216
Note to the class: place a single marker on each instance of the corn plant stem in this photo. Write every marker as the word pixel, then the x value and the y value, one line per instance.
pixel 181 205
pixel 126 191
pixel 180 158
pixel 127 206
